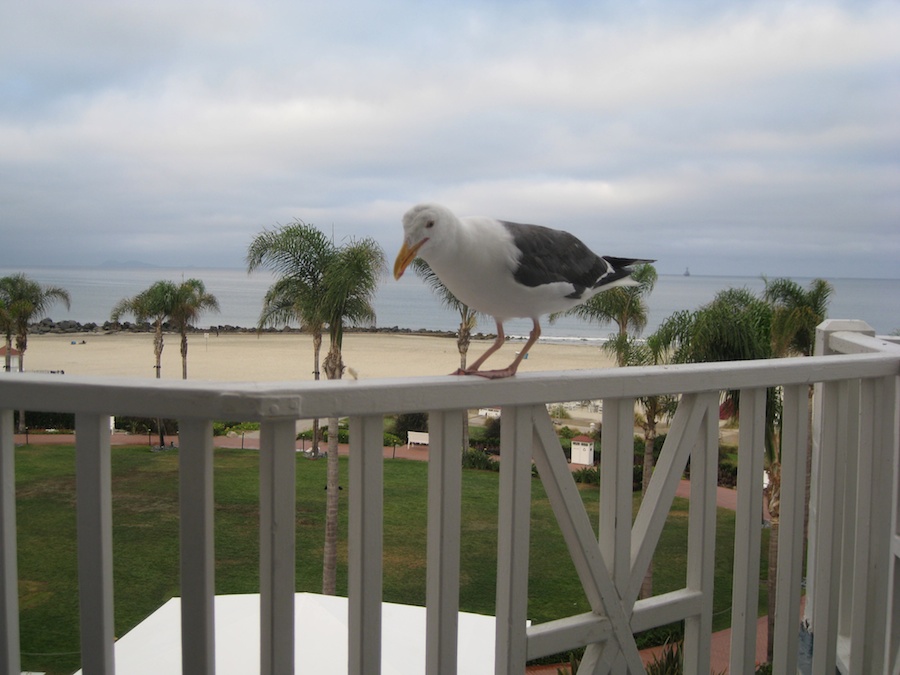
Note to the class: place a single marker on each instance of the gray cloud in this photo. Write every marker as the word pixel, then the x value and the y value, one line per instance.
pixel 731 138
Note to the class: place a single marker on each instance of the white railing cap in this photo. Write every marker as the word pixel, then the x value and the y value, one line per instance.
pixel 305 399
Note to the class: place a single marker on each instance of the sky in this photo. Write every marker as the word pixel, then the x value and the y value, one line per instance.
pixel 735 137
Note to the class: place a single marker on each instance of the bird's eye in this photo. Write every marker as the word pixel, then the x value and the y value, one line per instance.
pixel 429 224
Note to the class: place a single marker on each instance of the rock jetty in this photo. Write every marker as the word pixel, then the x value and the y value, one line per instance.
pixel 48 325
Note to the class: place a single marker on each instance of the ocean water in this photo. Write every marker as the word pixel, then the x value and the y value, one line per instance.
pixel 408 303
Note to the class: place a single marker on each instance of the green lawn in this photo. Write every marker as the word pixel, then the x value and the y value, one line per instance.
pixel 145 539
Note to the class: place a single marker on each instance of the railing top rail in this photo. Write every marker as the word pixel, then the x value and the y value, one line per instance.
pixel 849 342
pixel 298 400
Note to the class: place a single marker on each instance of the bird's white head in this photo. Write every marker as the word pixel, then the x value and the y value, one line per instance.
pixel 424 226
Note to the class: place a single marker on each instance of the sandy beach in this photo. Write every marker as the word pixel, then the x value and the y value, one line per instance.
pixel 245 357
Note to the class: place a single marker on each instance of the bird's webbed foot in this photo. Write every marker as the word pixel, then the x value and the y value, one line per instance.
pixel 487 374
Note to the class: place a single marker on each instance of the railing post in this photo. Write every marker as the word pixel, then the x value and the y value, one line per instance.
pixel 794 444
pixel 277 546
pixel 702 536
pixel 444 525
pixel 365 545
pixel 616 476
pixel 95 559
pixel 747 527
pixel 514 530
pixel 195 458
pixel 615 516
pixel 890 435
pixel 871 547
pixel 822 348
pixel 824 570
pixel 10 663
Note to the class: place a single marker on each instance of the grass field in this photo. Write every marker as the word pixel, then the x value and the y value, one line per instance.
pixel 145 540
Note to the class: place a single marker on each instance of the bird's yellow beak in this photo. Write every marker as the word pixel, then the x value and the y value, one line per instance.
pixel 405 257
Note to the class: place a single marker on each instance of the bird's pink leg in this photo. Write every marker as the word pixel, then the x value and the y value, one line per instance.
pixel 510 370
pixel 473 369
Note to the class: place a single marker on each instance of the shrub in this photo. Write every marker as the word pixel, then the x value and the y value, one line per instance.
pixel 574 664
pixel 477 459
pixel 559 412
pixel 388 440
pixel 145 425
pixel 637 477
pixel 661 635
pixel 343 433
pixel 491 435
pixel 589 475
pixel 410 422
pixel 670 661
pixel 45 420
pixel 728 475
pixel 225 428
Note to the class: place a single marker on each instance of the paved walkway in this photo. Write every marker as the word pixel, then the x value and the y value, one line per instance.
pixel 725 498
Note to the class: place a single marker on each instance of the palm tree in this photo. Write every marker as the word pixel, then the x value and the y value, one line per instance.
pixel 468 319
pixel 25 301
pixel 189 301
pixel 626 306
pixel 6 325
pixel 795 314
pixel 299 253
pixel 735 326
pixel 326 285
pixel 156 303
pixel 350 284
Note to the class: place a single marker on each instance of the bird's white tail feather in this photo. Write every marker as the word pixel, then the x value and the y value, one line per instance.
pixel 624 281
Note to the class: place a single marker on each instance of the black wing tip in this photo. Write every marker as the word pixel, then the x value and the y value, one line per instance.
pixel 626 262
pixel 619 268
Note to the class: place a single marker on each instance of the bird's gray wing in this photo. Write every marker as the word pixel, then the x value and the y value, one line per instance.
pixel 549 256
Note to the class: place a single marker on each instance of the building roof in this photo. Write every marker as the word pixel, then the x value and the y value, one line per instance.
pixel 320 633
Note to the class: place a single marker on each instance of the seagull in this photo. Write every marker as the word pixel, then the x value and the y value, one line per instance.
pixel 507 270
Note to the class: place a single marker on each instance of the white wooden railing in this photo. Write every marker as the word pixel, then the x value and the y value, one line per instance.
pixel 855 536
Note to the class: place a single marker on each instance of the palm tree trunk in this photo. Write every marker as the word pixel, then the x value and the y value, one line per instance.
pixel 183 355
pixel 334 368
pixel 158 347
pixel 463 344
pixel 647 473
pixel 774 491
pixel 21 369
pixel 317 353
pixel 332 487
pixel 772 588
pixel 157 350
